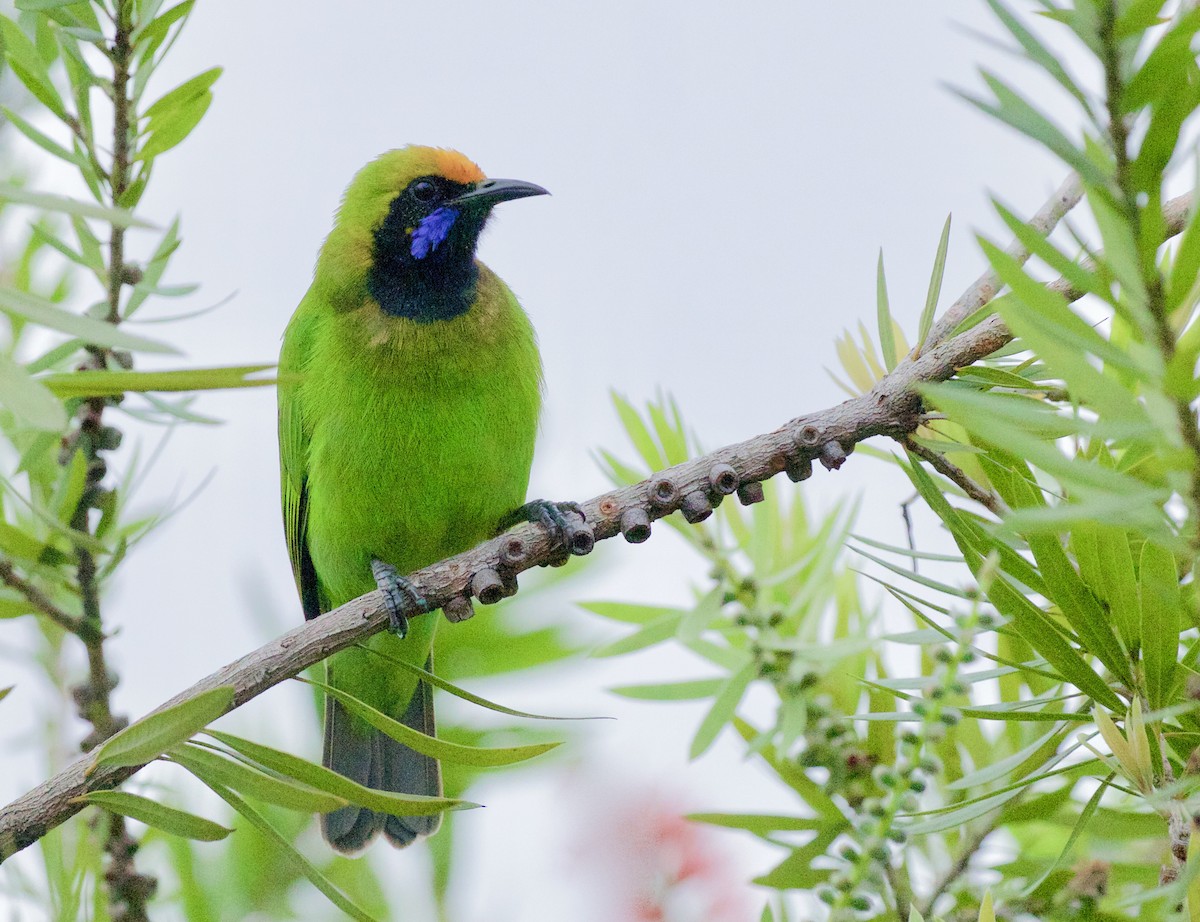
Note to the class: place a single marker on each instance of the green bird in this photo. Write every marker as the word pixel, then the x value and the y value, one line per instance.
pixel 408 405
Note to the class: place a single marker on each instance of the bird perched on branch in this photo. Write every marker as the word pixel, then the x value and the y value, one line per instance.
pixel 410 386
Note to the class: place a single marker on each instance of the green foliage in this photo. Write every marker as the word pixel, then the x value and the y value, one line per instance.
pixel 151 736
pixel 1066 472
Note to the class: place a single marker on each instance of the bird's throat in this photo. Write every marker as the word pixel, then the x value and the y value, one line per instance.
pixel 425 293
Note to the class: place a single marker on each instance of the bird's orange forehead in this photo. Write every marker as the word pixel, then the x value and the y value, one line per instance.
pixel 454 166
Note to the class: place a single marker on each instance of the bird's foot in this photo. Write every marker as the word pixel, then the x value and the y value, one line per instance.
pixel 399 596
pixel 575 538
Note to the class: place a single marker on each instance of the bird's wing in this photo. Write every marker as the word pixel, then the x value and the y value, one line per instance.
pixel 293 460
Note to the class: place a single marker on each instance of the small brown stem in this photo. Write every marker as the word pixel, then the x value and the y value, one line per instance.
pixel 970 845
pixel 40 601
pixel 949 469
pixel 128 890
pixel 897 878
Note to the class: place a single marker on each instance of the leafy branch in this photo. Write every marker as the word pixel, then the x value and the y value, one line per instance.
pixel 488 572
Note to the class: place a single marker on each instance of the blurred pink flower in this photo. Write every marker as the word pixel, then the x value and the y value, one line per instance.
pixel 649 864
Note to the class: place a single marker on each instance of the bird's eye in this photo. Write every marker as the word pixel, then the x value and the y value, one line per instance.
pixel 424 191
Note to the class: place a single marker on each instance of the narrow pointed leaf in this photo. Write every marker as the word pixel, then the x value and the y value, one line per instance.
pixel 49 202
pixel 1085 816
pixel 213 768
pixel 887 340
pixel 671 691
pixel 105 383
pixel 435 748
pixel 653 633
pixel 723 709
pixel 48 314
pixel 28 399
pixel 935 285
pixel 293 857
pixel 438 682
pixel 1160 622
pixel 152 813
pixel 323 779
pixel 148 738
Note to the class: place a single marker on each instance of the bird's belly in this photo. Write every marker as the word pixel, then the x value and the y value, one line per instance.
pixel 410 479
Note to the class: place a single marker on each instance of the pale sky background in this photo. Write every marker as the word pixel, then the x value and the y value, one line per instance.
pixel 723 177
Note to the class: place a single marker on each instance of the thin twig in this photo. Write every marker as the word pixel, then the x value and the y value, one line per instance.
pixel 948 468
pixel 1066 197
pixel 970 845
pixel 39 600
pixel 897 878
pixel 128 890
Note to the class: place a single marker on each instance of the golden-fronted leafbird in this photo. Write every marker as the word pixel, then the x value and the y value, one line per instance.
pixel 408 403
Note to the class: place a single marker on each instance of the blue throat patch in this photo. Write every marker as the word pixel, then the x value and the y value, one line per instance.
pixel 432 231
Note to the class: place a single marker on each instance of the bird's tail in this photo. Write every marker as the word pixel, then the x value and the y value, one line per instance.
pixel 373 759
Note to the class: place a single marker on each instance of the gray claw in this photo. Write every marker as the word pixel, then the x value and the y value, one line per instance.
pixel 399 596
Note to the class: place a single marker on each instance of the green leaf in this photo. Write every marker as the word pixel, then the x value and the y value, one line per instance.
pixel 172 128
pixel 104 383
pixel 935 285
pixel 642 440
pixel 1106 564
pixel 758 823
pixel 1085 816
pixel 1041 318
pixel 962 814
pixel 991 772
pixel 45 142
pixel 671 691
pixel 1160 622
pixel 1039 53
pixel 631 612
pixel 148 738
pixel 997 377
pixel 4 692
pixel 28 399
pixel 1015 111
pixel 29 67
pixel 669 431
pixel 315 877
pixel 156 30
pixel 655 632
pixel 707 610
pixel 1036 243
pixel 33 5
pixel 47 314
pixel 213 768
pixel 723 709
pixel 1080 607
pixel 442 750
pixel 883 316
pixel 49 202
pixel 152 813
pixel 1029 621
pixel 153 270
pixel 438 682
pixel 183 94
pixel 793 775
pixel 323 779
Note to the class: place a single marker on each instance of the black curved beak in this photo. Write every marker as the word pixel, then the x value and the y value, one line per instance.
pixel 489 192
